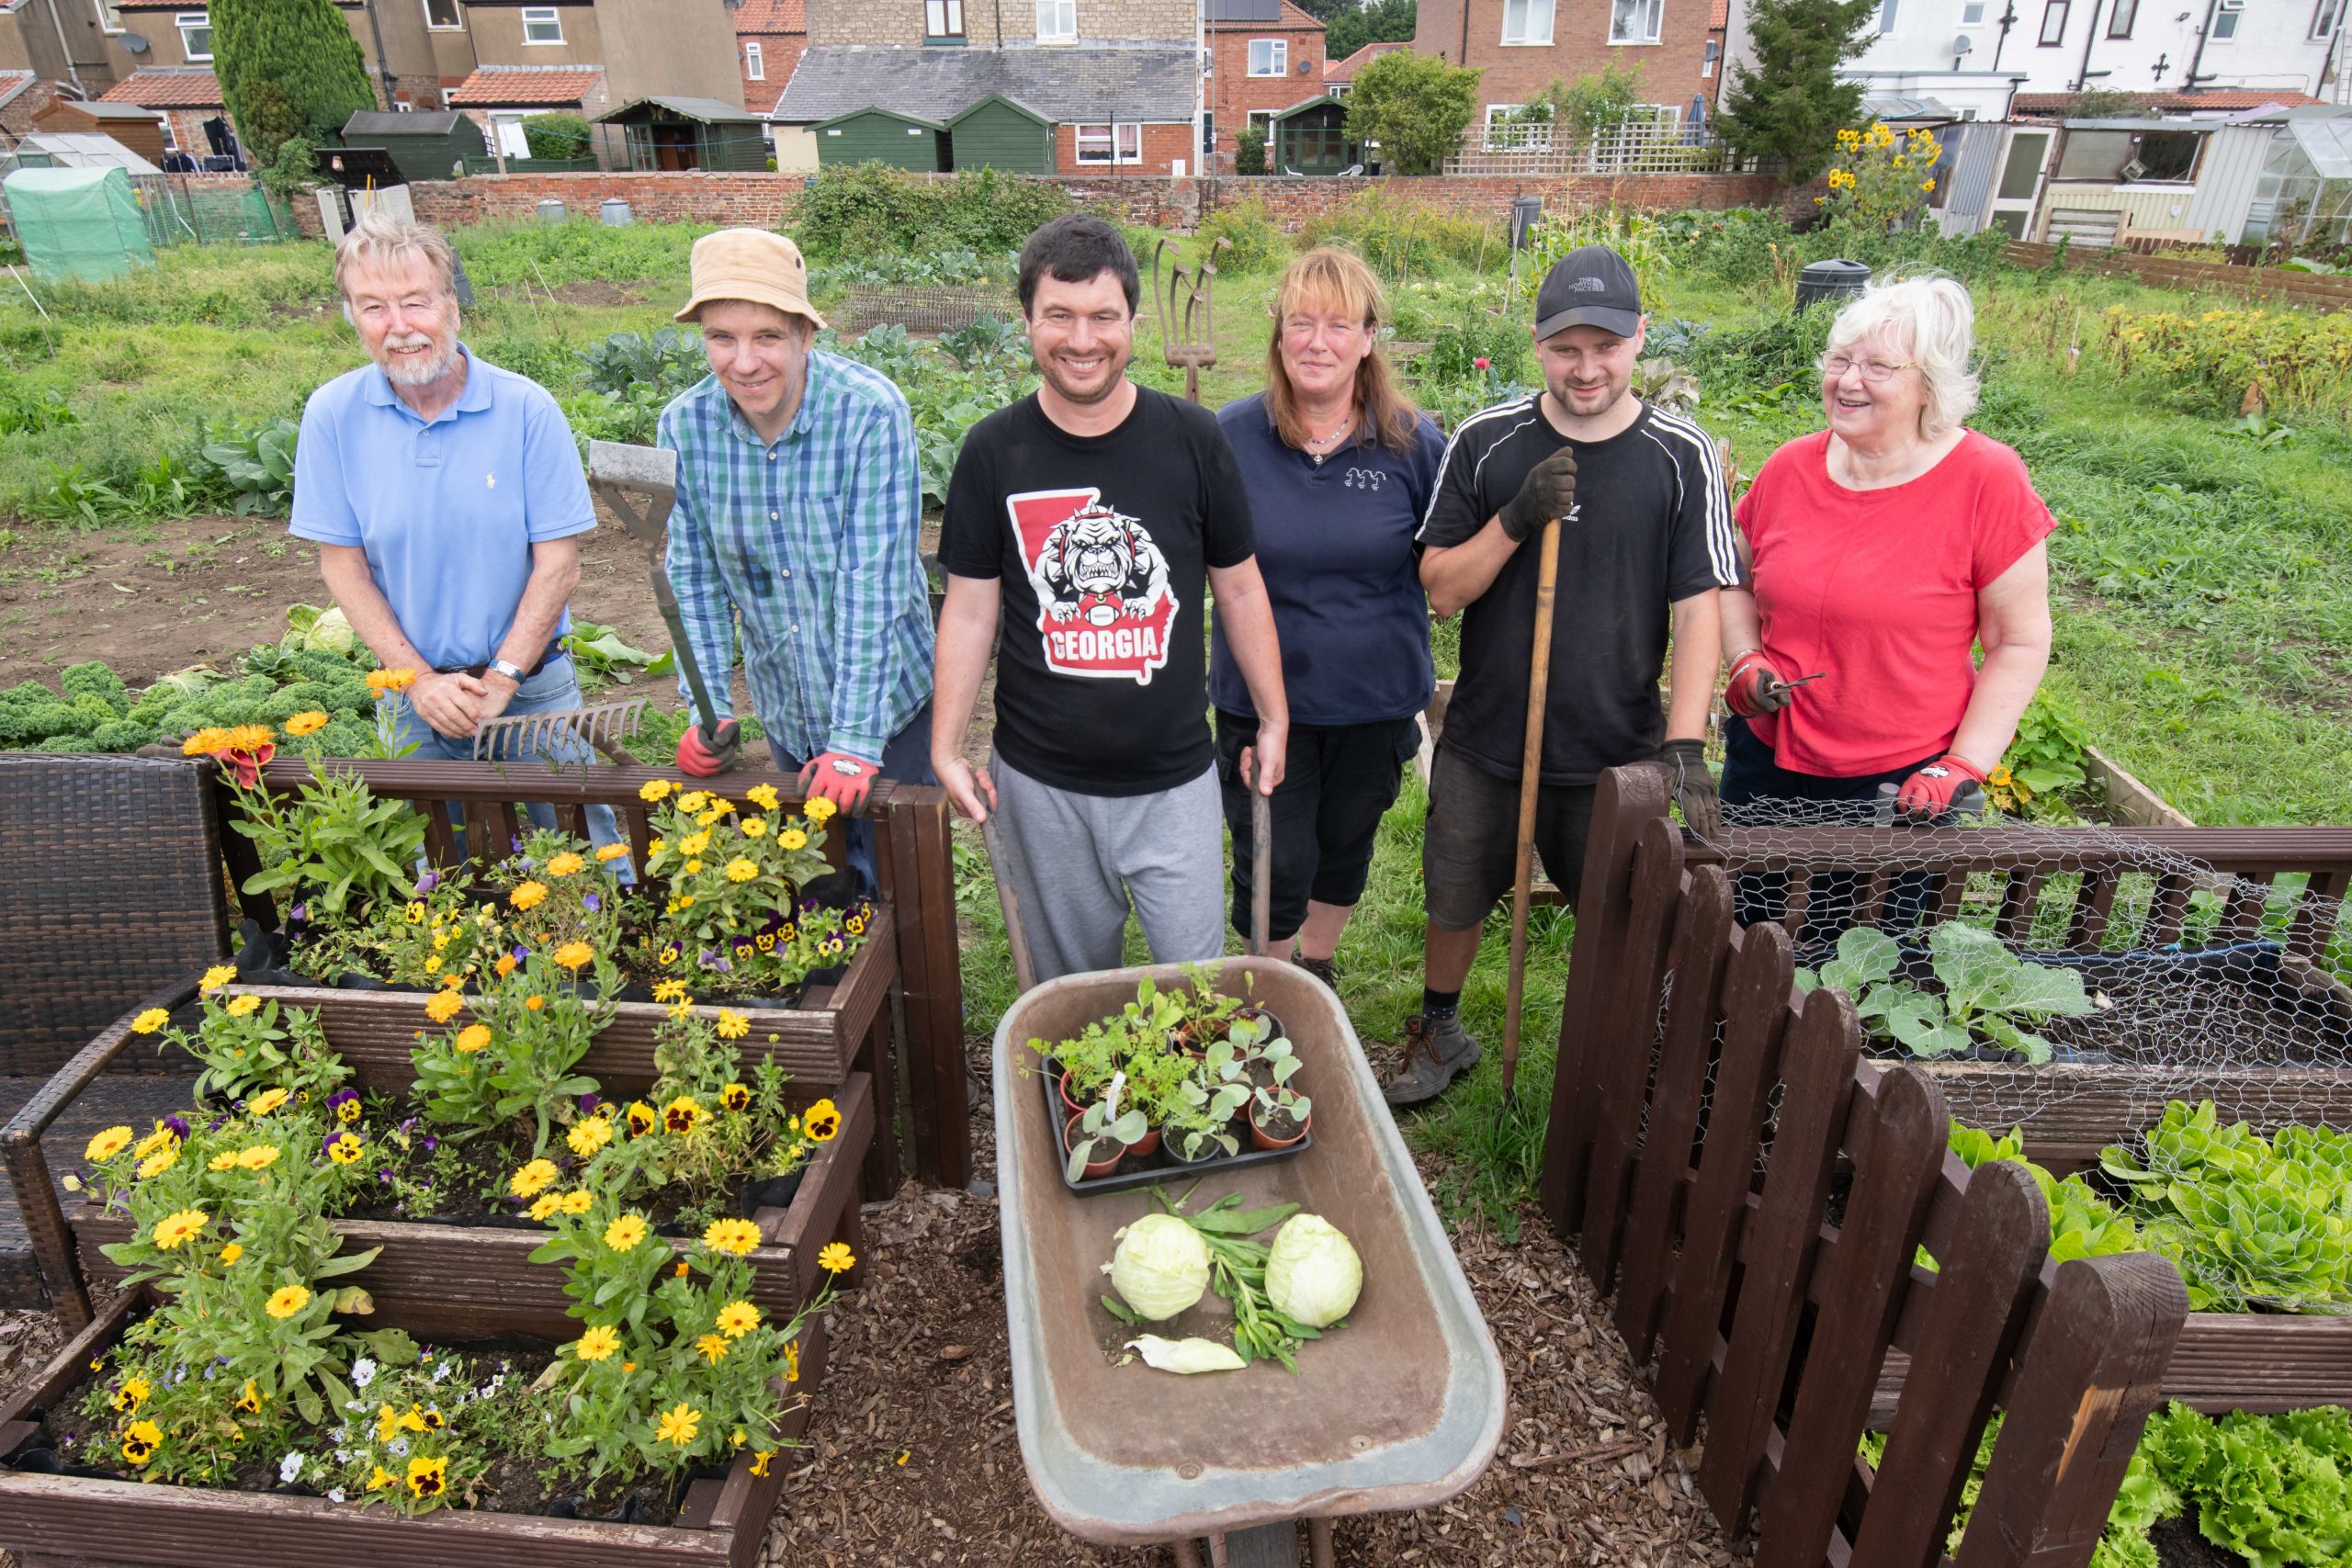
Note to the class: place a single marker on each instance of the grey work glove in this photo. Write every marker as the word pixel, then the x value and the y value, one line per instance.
pixel 1684 763
pixel 1548 492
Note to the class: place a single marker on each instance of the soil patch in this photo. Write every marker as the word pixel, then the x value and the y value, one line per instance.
pixel 2178 1545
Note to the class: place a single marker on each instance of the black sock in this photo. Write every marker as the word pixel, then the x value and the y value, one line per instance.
pixel 1438 1004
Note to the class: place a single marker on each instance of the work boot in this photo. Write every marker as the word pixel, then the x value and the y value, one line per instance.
pixel 1436 1051
pixel 1324 969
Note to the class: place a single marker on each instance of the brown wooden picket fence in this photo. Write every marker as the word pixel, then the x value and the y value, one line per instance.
pixel 1766 1306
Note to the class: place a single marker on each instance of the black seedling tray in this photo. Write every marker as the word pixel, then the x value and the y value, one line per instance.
pixel 1159 1165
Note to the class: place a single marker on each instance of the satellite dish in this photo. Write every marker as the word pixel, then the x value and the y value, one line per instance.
pixel 1963 44
pixel 135 44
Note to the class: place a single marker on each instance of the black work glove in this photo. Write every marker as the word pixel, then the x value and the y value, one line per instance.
pixel 1548 492
pixel 1685 766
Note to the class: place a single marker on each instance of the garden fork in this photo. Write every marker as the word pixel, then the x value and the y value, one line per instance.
pixel 1189 301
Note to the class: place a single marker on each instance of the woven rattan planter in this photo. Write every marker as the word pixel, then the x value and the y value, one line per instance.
pixel 61 1521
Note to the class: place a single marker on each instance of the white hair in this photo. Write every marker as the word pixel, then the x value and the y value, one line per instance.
pixel 378 239
pixel 1930 317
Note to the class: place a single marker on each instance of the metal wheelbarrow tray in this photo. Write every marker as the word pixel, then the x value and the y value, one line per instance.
pixel 1401 1410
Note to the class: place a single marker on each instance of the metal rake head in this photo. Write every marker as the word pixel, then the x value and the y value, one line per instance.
pixel 565 735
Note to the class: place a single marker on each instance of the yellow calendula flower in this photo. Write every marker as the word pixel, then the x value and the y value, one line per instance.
pixel 835 1257
pixel 792 839
pixel 734 1026
pixel 176 1228
pixel 163 1137
pixel 159 1162
pixel 225 1160
pixel 669 991
pixel 573 954
pixel 565 865
pixel 472 1038
pixel 763 796
pixel 596 1344
pixel 261 1156
pixel 608 854
pixel 443 1006
pixel 286 1300
pixel 736 1236
pixel 533 1178
pixel 382 681
pixel 654 789
pixel 693 868
pixel 232 1252
pixel 528 895
pixel 693 800
pixel 818 809
pixel 588 1135
pixel 713 1348
pixel 107 1145
pixel 754 827
pixel 625 1233
pixel 545 1205
pixel 579 1201
pixel 694 843
pixel 738 1318
pixel 149 1022
pixel 656 846
pixel 217 977
pixel 307 722
pixel 792 1360
pixel 268 1101
pixel 505 964
pixel 741 870
pixel 679 1426
pixel 241 1007
pixel 710 816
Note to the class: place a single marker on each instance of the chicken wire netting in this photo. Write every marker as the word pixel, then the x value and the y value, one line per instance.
pixel 2068 981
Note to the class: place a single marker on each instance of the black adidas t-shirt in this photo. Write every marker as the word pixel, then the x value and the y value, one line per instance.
pixel 1652 525
pixel 1103 544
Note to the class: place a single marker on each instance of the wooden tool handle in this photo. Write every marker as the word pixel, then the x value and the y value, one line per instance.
pixel 1530 781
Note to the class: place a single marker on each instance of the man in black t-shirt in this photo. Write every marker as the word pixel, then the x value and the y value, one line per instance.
pixel 1646 540
pixel 1097 515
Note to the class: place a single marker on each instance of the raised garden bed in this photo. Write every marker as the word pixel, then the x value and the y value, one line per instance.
pixel 56 1520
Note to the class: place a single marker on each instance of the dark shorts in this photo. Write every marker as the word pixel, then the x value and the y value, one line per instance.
pixel 1337 782
pixel 1466 854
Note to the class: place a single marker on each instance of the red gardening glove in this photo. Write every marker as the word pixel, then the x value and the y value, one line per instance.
pixel 1948 784
pixel 841 778
pixel 703 755
pixel 1755 689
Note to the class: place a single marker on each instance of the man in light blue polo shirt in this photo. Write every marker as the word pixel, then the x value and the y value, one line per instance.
pixel 446 496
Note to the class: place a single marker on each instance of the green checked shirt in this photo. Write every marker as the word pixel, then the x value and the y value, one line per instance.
pixel 814 541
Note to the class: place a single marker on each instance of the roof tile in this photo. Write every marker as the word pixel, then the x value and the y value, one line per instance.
pixel 504 86
pixel 2218 99
pixel 757 16
pixel 1146 83
pixel 1345 69
pixel 167 90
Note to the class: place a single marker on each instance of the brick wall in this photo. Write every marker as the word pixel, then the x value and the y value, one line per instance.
pixel 1233 92
pixel 1162 145
pixel 1517 73
pixel 19 117
pixel 764 199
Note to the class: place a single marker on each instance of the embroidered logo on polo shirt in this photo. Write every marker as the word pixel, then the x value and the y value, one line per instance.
pixel 1367 479
pixel 490 482
pixel 1104 607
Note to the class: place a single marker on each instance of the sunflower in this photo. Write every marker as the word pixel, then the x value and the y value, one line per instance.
pixel 712 1345
pixel 597 1343
pixel 443 1006
pixel 822 1122
pixel 835 1257
pixel 738 1236
pixel 217 977
pixel 735 1097
pixel 572 954
pixel 176 1228
pixel 107 1145
pixel 738 1318
pixel 588 1135
pixel 652 790
pixel 427 1477
pixel 625 1233
pixel 310 721
pixel 533 1178
pixel 734 1026
pixel 679 1426
pixel 287 1300
pixel 268 1101
pixel 139 1444
pixel 472 1038
pixel 681 1115
pixel 641 1119
pixel 241 1007
pixel 528 895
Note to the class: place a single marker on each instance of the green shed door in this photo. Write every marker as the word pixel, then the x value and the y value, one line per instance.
pixel 998 136
pixel 876 137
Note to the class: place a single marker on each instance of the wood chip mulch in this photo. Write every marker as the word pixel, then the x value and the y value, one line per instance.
pixel 914 1459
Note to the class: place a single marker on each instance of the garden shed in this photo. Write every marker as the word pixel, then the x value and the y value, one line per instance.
pixel 423 146
pixel 671 132
pixel 885 136
pixel 2304 193
pixel 998 132
pixel 1311 138
pixel 77 223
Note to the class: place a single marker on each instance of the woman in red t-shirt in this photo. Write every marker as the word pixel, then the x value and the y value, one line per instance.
pixel 1881 552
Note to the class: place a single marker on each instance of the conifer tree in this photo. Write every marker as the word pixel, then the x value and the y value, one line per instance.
pixel 288 68
pixel 1791 105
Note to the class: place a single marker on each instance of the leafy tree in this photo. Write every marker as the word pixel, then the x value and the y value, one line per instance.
pixel 288 68
pixel 1375 21
pixel 1249 151
pixel 1793 104
pixel 559 136
pixel 1416 107
pixel 1602 101
pixel 1325 10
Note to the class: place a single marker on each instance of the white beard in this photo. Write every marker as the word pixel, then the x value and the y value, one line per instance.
pixel 417 373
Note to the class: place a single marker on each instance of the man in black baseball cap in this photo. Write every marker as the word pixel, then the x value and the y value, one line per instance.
pixel 1646 544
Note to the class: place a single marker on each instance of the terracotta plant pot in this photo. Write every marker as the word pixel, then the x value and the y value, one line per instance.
pixel 1095 1169
pixel 1262 1139
pixel 1069 1103
pixel 1146 1145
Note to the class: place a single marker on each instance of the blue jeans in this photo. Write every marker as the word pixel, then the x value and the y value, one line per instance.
pixel 906 760
pixel 554 689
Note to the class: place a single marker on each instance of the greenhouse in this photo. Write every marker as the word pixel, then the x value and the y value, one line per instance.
pixel 2304 196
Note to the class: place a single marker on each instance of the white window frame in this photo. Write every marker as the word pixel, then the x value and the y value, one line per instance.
pixel 1529 138
pixel 1886 13
pixel 2325 14
pixel 1714 52
pixel 950 19
pixel 1120 142
pixel 1056 21
pixel 171 137
pixel 755 64
pixel 2225 22
pixel 1971 13
pixel 538 17
pixel 1275 51
pixel 1657 9
pixel 1535 23
pixel 194 21
pixel 2064 10
pixel 109 15
pixel 457 26
pixel 2127 13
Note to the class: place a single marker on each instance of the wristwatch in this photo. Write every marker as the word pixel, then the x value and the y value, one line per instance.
pixel 507 667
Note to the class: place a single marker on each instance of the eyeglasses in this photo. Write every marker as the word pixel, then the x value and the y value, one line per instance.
pixel 1877 372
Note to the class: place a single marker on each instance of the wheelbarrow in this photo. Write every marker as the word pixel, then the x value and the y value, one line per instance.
pixel 1401 1409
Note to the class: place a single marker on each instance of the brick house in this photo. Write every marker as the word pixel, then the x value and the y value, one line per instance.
pixel 185 96
pixel 769 37
pixel 1339 76
pixel 1265 56
pixel 1523 46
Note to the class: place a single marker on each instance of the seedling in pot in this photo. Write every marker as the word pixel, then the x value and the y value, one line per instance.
pixel 1103 1132
pixel 1202 1123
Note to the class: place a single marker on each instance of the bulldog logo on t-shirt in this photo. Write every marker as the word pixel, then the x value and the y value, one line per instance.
pixel 1104 607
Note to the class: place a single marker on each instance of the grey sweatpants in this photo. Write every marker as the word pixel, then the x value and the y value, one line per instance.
pixel 1077 860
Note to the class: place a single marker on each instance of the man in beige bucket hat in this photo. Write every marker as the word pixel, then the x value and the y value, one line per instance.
pixel 799 510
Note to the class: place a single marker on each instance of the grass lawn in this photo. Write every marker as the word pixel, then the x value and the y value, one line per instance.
pixel 2204 636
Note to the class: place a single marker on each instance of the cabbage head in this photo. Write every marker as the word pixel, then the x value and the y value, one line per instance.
pixel 1313 1274
pixel 1161 1267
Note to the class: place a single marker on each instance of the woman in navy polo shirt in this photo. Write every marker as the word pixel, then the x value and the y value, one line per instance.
pixel 1339 465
